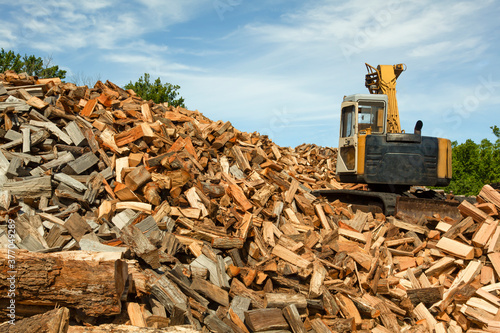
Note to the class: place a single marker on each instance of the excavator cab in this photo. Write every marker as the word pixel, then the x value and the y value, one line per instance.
pixel 361 115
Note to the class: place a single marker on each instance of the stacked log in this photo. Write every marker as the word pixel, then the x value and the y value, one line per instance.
pixel 136 216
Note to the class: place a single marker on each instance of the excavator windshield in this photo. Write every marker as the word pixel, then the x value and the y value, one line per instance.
pixel 371 117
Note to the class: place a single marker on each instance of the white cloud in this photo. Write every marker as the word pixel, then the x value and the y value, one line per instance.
pixel 153 64
pixel 468 48
pixel 358 27
pixel 102 24
pixel 7 37
pixel 94 5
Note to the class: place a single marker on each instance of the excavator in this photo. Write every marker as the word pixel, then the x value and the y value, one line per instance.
pixel 373 150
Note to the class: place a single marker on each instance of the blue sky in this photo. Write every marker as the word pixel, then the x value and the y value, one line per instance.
pixel 279 67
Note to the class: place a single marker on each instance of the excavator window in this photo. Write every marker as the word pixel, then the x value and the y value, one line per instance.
pixel 348 121
pixel 371 116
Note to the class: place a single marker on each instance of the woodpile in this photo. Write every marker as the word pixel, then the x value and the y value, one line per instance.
pixel 131 216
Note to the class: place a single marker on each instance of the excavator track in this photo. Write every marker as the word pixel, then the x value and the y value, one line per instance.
pixel 416 208
pixel 412 208
pixel 375 202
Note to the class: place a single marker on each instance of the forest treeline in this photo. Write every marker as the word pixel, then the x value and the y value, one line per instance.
pixel 475 164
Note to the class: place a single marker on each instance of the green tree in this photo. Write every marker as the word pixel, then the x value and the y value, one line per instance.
pixel 496 131
pixel 10 61
pixel 475 165
pixel 32 65
pixel 157 91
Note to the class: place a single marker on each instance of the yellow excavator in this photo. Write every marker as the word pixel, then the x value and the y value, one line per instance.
pixel 374 150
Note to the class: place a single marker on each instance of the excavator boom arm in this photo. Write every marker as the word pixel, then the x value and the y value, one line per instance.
pixel 382 80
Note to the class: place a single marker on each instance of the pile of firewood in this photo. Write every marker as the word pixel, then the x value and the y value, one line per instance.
pixel 140 217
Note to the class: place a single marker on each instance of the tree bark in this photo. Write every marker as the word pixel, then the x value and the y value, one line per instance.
pixel 89 281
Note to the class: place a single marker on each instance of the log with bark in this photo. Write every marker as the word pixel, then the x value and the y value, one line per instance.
pixel 88 281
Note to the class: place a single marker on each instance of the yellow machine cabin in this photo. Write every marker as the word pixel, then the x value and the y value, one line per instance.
pixel 374 150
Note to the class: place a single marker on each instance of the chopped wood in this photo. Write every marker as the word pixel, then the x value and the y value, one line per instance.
pixel 30 188
pixel 348 308
pixel 77 226
pixel 294 320
pixel 211 291
pixel 141 245
pixel 195 201
pixel 290 256
pixel 26 140
pixel 135 314
pixel 495 261
pixel 408 226
pixel 468 209
pixel 456 248
pixel 440 266
pixel 89 108
pixel 428 296
pixel 265 320
pixel 458 228
pixel 132 135
pixel 167 293
pixel 140 206
pixel 358 221
pixel 421 312
pixel 281 300
pixel 54 129
pixel 319 326
pixel 146 112
pixel 489 194
pixel 317 279
pixel 238 195
pixel 227 243
pixel 238 321
pixel 322 217
pixel 290 194
pixel 81 164
pixel 239 289
pixel 241 159
pixel 494 245
pixel 486 230
pixel 70 181
pixel 137 177
pixel 37 103
pixel 75 133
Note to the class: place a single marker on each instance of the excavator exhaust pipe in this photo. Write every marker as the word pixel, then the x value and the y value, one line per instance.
pixel 418 127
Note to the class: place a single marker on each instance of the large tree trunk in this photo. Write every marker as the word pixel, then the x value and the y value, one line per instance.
pixel 89 281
